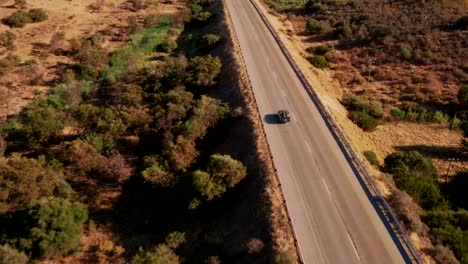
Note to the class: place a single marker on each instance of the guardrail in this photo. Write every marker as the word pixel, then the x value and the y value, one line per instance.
pixel 358 165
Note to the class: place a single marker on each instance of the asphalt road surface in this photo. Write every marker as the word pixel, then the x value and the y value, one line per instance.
pixel 333 219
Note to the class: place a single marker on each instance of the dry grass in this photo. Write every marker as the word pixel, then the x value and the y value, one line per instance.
pixel 75 19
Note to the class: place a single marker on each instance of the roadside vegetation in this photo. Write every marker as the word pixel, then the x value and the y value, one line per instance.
pixel 140 143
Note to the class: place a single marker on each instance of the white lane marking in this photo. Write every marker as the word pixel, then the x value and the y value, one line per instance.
pixel 282 92
pixel 354 247
pixel 307 146
pixel 326 186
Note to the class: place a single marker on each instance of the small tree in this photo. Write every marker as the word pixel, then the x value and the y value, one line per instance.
pixel 223 172
pixel 50 227
pixel 202 71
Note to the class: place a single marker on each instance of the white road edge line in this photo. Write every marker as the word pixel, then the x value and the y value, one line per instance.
pixel 354 247
pixel 307 146
pixel 326 186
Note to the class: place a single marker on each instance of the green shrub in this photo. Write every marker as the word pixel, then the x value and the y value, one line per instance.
pixel 37 15
pixel 363 120
pixel 451 228
pixel 223 172
pixel 9 255
pixel 210 40
pixel 314 26
pixel 202 71
pixel 18 19
pixel 398 113
pixel 313 6
pixel 196 14
pixel 405 54
pixel 416 175
pixel 318 50
pixel 372 158
pixel 354 102
pixel 342 31
pixel 318 61
pixel 50 227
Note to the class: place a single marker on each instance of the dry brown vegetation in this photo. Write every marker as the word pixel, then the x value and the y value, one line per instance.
pixel 38 45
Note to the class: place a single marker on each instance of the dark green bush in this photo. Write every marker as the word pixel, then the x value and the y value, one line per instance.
pixel 318 61
pixel 450 227
pixel 462 23
pixel 313 6
pixel 342 31
pixel 49 227
pixel 37 15
pixel 416 175
pixel 354 102
pixel 398 113
pixel 18 19
pixel 379 32
pixel 405 54
pixel 363 120
pixel 318 50
pixel 314 26
pixel 463 96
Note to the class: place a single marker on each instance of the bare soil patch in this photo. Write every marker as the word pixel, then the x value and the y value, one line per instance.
pixel 75 19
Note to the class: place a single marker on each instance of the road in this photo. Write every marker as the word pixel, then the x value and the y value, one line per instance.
pixel 333 219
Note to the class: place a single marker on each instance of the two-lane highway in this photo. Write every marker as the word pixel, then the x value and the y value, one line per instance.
pixel 333 219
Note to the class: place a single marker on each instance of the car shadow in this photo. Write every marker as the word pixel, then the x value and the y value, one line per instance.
pixel 272 119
